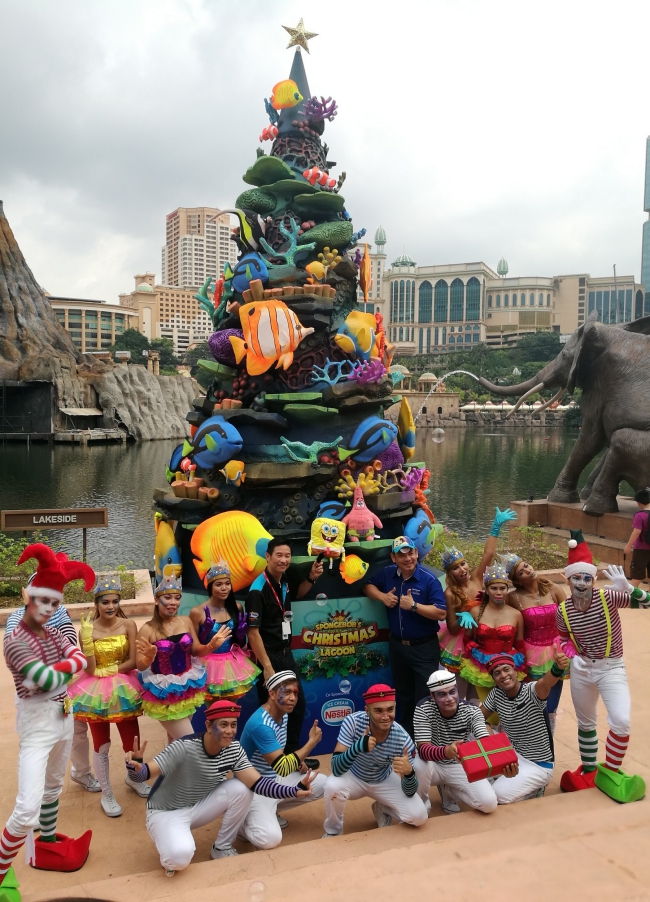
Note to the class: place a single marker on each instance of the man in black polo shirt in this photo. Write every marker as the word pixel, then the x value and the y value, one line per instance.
pixel 415 603
pixel 268 606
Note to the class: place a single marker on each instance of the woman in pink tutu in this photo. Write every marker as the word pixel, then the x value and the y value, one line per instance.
pixel 109 690
pixel 537 599
pixel 230 672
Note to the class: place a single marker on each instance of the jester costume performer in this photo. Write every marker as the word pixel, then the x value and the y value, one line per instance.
pixel 173 686
pixel 230 672
pixel 42 661
pixel 590 629
pixel 106 695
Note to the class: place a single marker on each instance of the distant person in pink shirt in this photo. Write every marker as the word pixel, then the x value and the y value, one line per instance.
pixel 638 545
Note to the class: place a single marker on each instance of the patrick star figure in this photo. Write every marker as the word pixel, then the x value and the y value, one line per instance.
pixel 361 522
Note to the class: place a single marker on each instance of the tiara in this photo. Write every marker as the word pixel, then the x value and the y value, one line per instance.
pixel 217 570
pixel 494 573
pixel 451 556
pixel 509 560
pixel 107 585
pixel 169 584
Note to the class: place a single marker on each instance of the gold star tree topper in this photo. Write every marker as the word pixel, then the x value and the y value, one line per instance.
pixel 299 36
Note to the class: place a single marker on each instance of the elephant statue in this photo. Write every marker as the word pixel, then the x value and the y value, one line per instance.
pixel 611 364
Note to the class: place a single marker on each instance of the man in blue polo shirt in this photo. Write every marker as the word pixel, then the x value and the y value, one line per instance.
pixel 415 603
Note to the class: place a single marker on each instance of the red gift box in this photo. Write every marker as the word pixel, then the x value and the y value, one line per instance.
pixel 486 757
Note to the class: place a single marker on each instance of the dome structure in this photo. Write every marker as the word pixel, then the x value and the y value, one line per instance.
pixel 502 267
pixel 380 237
pixel 144 287
pixel 398 368
pixel 428 377
pixel 403 260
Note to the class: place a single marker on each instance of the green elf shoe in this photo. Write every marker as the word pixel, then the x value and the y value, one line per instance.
pixel 9 888
pixel 619 786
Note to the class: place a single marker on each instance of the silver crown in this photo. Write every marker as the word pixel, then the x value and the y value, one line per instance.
pixel 169 584
pixel 108 584
pixel 217 570
pixel 497 572
pixel 451 556
pixel 509 561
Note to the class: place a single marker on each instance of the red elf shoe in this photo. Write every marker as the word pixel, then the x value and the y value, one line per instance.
pixel 575 780
pixel 66 854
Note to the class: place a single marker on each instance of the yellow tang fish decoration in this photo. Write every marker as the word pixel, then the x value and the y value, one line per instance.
pixel 285 95
pixel 272 333
pixel 235 537
pixel 234 472
pixel 353 569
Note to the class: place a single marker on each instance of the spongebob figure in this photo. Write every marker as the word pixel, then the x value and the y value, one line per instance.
pixel 327 538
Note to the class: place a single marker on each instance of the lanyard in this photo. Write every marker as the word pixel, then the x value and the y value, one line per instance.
pixel 275 594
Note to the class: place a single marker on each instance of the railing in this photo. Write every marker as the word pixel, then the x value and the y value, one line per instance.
pixel 11 425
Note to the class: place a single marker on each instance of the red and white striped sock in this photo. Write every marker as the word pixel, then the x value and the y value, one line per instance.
pixel 9 846
pixel 615 750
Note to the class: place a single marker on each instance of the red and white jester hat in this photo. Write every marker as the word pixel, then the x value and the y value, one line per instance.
pixel 580 559
pixel 54 571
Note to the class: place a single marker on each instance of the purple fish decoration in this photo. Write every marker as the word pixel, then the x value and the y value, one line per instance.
pixel 391 458
pixel 220 347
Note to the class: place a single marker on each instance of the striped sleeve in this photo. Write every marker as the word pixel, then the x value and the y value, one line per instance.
pixel 170 757
pixel 617 599
pixel 490 703
pixel 478 726
pixel 242 761
pixel 44 676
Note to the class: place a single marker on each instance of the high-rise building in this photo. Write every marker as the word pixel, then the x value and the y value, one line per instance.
pixel 645 251
pixel 197 246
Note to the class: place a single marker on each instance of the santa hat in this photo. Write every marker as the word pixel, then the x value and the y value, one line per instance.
pixel 54 571
pixel 579 559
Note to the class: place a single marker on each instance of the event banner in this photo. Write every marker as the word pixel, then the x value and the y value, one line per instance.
pixel 341 647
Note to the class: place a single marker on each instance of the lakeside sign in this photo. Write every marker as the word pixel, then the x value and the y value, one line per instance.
pixel 69 518
pixel 72 518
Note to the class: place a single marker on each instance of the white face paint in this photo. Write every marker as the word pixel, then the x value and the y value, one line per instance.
pixel 581 585
pixel 41 608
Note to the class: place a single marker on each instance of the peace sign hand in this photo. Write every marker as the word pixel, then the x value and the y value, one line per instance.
pixel 136 757
pixel 306 781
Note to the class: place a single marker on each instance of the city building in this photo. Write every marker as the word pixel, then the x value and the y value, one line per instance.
pixel 197 246
pixel 378 267
pixel 165 311
pixel 645 251
pixel 93 325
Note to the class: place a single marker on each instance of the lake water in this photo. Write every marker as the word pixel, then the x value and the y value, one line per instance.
pixel 471 472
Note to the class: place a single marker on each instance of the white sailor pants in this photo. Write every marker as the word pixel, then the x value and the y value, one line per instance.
pixel 389 793
pixel 171 831
pixel 479 795
pixel 80 754
pixel 261 826
pixel 606 677
pixel 530 779
pixel 43 753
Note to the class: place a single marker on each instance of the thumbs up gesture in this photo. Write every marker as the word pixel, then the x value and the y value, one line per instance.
pixel 369 742
pixel 560 658
pixel 406 601
pixel 402 764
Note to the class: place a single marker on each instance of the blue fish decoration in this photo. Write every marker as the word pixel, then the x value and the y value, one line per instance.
pixel 332 510
pixel 249 267
pixel 215 442
pixel 369 439
pixel 423 534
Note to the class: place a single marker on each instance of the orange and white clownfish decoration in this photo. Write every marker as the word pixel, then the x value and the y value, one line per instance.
pixel 316 176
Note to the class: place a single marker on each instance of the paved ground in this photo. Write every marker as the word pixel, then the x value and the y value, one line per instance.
pixel 581 845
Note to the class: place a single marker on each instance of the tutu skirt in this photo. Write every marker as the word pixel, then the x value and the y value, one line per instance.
pixel 474 670
pixel 173 696
pixel 229 675
pixel 539 659
pixel 108 698
pixel 451 648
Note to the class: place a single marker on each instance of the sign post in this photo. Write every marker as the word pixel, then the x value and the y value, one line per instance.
pixel 67 518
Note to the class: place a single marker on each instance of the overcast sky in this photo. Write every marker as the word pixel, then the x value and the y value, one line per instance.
pixel 470 129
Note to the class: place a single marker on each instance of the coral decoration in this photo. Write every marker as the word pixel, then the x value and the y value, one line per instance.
pixel 367 482
pixel 319 110
pixel 412 479
pixel 368 371
pixel 220 347
pixel 420 497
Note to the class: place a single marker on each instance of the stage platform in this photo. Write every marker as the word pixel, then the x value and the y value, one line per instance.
pixel 581 845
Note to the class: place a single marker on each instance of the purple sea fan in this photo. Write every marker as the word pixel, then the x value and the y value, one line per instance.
pixel 319 110
pixel 391 458
pixel 220 346
pixel 411 479
pixel 368 371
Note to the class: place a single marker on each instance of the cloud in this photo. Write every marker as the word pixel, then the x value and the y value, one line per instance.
pixel 470 129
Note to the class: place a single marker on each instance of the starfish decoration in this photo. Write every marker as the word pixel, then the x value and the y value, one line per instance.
pixel 299 36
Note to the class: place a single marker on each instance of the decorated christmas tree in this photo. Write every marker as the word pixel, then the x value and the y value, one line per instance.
pixel 291 438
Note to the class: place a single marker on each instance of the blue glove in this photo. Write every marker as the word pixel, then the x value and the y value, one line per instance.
pixel 466 620
pixel 501 518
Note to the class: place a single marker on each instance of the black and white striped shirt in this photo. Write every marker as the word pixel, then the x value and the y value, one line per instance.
pixel 430 726
pixel 524 720
pixel 189 774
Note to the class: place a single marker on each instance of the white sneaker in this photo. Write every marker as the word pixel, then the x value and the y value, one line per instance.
pixel 329 835
pixel 169 872
pixel 88 781
pixel 109 805
pixel 142 789
pixel 282 821
pixel 449 804
pixel 381 815
pixel 223 853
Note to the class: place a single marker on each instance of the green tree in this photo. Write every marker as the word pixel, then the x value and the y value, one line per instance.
pixel 192 356
pixel 133 341
pixel 165 348
pixel 539 346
